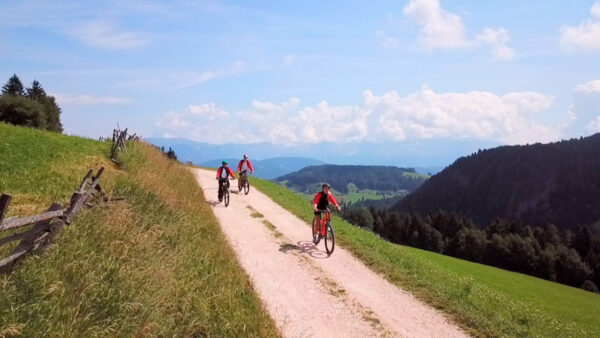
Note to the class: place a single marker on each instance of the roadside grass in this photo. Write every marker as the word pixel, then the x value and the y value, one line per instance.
pixel 154 264
pixel 484 300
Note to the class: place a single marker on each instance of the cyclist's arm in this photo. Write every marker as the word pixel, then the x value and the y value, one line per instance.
pixel 231 173
pixel 332 200
pixel 250 166
pixel 316 201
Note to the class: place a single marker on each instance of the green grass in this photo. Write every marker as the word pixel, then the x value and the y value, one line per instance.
pixel 486 301
pixel 155 264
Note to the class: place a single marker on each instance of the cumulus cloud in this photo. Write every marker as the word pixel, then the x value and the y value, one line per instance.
pixel 89 100
pixel 106 36
pixel 441 29
pixel 498 40
pixel 590 87
pixel 426 114
pixel 585 37
pixel 507 118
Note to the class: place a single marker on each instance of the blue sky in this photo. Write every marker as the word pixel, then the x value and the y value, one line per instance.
pixel 312 71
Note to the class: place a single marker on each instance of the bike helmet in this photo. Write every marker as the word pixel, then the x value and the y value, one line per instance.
pixel 225 162
pixel 245 156
pixel 326 185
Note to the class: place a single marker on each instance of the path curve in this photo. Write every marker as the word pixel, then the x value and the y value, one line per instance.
pixel 307 293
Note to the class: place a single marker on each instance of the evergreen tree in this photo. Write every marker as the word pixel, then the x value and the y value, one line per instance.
pixel 36 92
pixel 13 86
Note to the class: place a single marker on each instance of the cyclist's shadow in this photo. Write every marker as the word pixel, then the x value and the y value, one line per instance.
pixel 304 247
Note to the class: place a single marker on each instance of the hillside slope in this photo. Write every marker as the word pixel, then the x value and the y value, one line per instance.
pixel 487 301
pixel 380 178
pixel 554 183
pixel 155 264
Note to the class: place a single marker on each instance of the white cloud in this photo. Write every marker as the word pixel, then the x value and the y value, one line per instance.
pixel 585 37
pixel 106 36
pixel 207 109
pixel 89 100
pixel 595 10
pixel 508 118
pixel 426 114
pixel 588 87
pixel 439 29
pixel 498 40
pixel 594 126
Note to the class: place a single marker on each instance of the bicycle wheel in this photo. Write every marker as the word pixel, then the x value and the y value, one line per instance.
pixel 315 232
pixel 247 187
pixel 329 239
pixel 226 197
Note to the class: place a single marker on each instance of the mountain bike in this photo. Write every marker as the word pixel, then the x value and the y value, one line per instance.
pixel 225 189
pixel 243 182
pixel 324 230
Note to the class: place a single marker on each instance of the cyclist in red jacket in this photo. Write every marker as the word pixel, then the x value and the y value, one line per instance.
pixel 245 165
pixel 223 174
pixel 321 201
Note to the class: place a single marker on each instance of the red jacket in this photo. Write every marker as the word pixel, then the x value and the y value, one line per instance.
pixel 249 166
pixel 221 170
pixel 330 198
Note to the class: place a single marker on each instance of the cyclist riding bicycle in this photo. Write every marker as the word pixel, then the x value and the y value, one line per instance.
pixel 245 165
pixel 223 174
pixel 321 201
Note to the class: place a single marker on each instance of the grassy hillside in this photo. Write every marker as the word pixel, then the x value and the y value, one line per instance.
pixel 486 301
pixel 155 264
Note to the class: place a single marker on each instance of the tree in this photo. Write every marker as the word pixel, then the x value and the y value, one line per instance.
pixel 52 112
pixel 20 111
pixel 171 154
pixel 13 86
pixel 36 92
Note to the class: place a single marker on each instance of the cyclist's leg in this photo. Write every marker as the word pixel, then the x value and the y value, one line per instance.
pixel 318 220
pixel 220 190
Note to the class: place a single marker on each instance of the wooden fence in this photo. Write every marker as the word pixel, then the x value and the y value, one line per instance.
pixel 48 224
pixel 119 138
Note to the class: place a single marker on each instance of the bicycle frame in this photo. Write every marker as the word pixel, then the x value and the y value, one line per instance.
pixel 324 220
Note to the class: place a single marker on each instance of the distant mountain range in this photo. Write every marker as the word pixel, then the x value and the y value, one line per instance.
pixel 426 156
pixel 557 183
pixel 349 178
pixel 269 168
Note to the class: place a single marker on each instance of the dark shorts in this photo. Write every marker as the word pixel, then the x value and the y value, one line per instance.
pixel 320 213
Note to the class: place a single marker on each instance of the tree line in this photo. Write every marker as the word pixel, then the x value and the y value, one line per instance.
pixel 29 107
pixel 566 256
pixel 380 178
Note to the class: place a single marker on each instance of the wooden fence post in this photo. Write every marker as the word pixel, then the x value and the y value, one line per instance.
pixel 4 202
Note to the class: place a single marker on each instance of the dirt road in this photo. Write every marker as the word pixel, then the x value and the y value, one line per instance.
pixel 307 293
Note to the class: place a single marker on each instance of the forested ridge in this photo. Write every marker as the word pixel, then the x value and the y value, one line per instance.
pixel 380 178
pixel 556 183
pixel 533 209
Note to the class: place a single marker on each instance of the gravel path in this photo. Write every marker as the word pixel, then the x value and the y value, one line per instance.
pixel 307 293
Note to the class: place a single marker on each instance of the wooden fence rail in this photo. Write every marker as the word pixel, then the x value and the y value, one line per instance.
pixel 48 224
pixel 119 138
